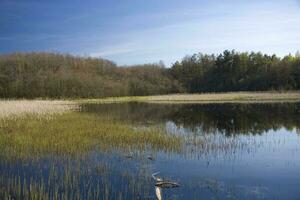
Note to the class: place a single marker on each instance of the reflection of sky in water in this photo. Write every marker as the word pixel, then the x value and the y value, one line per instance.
pixel 269 171
pixel 261 163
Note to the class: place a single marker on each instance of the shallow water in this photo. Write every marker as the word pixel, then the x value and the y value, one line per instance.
pixel 250 151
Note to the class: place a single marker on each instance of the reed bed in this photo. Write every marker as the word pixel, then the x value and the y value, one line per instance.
pixel 38 108
pixel 73 180
pixel 229 97
pixel 75 133
pixel 61 130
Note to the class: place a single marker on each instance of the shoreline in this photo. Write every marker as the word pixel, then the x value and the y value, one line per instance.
pixel 201 98
pixel 206 98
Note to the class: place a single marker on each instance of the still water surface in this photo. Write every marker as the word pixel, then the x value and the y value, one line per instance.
pixel 247 151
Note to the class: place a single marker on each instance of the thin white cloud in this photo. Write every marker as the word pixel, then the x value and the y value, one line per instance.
pixel 263 26
pixel 117 50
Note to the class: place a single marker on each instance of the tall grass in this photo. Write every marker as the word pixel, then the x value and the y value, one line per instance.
pixel 69 179
pixel 228 97
pixel 39 108
pixel 75 133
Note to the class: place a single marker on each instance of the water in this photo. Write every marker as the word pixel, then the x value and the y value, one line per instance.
pixel 250 151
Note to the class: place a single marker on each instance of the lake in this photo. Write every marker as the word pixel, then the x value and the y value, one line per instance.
pixel 211 151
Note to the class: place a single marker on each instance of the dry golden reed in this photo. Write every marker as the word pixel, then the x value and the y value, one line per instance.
pixel 39 108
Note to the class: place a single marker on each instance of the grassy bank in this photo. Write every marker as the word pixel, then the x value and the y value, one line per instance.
pixel 230 97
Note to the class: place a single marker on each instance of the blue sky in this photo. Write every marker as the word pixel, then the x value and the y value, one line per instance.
pixel 135 31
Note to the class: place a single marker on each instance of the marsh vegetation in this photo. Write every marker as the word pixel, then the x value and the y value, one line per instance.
pixel 111 151
pixel 39 108
pixel 206 98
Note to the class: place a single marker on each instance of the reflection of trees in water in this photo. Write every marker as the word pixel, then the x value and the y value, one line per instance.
pixel 239 118
pixel 225 118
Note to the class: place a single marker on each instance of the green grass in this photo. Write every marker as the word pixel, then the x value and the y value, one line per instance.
pixel 75 133
pixel 229 97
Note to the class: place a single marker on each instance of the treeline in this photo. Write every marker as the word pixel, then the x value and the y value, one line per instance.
pixel 233 71
pixel 51 75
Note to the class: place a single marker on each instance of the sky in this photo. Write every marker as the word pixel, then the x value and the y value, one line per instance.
pixel 136 31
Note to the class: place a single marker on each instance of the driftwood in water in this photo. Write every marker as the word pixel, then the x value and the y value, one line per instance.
pixel 164 183
pixel 158 193
pixel 160 183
